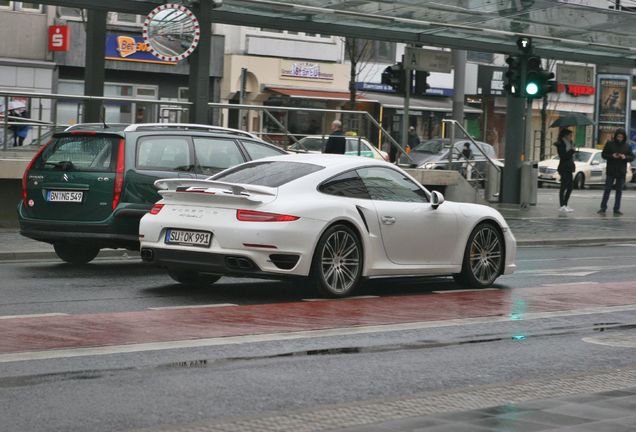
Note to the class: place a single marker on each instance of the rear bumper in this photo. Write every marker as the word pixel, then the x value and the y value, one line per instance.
pixel 119 230
pixel 202 262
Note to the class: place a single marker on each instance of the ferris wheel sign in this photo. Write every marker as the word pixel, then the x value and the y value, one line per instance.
pixel 171 31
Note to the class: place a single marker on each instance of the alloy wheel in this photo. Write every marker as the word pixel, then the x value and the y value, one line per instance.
pixel 486 255
pixel 340 261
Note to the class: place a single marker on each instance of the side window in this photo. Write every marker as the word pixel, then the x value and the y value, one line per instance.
pixel 259 151
pixel 386 184
pixel 347 184
pixel 216 154
pixel 169 153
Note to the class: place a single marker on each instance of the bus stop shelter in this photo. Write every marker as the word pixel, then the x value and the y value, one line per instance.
pixel 559 30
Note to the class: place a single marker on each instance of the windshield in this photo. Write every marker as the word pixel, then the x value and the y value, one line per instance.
pixel 309 144
pixel 272 174
pixel 579 156
pixel 431 146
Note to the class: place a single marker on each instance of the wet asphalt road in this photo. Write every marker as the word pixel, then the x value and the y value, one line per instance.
pixel 126 391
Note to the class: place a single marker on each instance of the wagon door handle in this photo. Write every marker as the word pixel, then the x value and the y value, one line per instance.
pixel 388 220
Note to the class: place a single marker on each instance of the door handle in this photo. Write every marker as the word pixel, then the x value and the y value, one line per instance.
pixel 388 220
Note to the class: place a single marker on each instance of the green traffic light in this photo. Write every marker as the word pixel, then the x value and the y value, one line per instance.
pixel 532 88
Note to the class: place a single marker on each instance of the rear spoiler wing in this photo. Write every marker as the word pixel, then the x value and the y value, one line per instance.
pixel 211 187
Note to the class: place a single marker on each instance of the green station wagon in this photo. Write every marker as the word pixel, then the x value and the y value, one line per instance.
pixel 89 186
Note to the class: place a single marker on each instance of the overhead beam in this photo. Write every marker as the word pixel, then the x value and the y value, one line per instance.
pixel 139 7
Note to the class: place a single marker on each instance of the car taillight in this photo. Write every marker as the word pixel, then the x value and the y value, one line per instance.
pixel 256 216
pixel 156 209
pixel 119 173
pixel 26 173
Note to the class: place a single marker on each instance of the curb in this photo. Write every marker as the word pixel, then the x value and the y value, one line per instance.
pixel 41 255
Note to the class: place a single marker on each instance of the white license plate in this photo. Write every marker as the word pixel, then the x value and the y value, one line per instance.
pixel 64 196
pixel 188 238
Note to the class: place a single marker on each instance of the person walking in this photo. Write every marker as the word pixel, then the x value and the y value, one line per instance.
pixel 337 142
pixel 414 140
pixel 566 168
pixel 617 152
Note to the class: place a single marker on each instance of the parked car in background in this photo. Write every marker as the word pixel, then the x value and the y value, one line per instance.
pixel 330 219
pixel 589 169
pixel 316 144
pixel 433 154
pixel 89 186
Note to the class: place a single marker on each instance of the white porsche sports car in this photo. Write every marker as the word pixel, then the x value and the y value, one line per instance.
pixel 330 219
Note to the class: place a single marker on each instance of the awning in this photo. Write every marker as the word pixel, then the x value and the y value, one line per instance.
pixel 419 103
pixel 316 94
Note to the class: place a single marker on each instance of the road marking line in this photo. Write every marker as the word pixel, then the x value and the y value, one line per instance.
pixel 346 298
pixel 452 291
pixel 215 305
pixel 308 334
pixel 569 283
pixel 43 315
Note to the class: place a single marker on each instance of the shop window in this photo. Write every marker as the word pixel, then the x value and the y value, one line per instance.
pixel 30 7
pixel 74 14
pixel 20 6
pixel 124 18
pixel 371 50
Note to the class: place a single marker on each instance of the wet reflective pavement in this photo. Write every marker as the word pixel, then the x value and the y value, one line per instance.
pixel 69 332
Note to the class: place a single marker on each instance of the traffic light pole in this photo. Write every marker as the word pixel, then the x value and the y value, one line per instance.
pixel 514 150
pixel 407 101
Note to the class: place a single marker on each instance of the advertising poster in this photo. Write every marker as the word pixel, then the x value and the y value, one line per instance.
pixel 130 48
pixel 613 105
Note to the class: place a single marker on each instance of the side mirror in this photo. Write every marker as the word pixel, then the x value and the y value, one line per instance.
pixel 437 199
pixel 596 163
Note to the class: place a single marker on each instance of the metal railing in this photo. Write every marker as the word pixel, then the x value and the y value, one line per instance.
pixel 219 110
pixel 468 167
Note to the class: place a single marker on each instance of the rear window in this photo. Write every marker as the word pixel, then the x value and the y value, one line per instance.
pixel 272 174
pixel 80 153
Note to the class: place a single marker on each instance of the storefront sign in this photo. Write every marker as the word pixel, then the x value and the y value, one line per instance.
pixel 490 81
pixel 428 60
pixel 576 90
pixel 383 88
pixel 305 71
pixel 613 105
pixel 59 38
pixel 573 74
pixel 130 48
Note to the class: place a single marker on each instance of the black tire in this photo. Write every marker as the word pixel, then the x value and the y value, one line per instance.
pixel 579 181
pixel 336 267
pixel 193 278
pixel 483 257
pixel 540 184
pixel 75 253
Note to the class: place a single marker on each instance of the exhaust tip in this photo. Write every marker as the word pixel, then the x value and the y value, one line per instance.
pixel 147 254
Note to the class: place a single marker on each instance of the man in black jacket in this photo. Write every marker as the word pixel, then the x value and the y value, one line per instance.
pixel 617 152
pixel 337 142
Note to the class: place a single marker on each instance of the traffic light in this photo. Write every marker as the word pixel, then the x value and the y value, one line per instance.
pixel 421 86
pixel 514 76
pixel 393 76
pixel 538 80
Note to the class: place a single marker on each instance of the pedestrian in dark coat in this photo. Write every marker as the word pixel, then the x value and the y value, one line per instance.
pixel 617 152
pixel 566 168
pixel 337 142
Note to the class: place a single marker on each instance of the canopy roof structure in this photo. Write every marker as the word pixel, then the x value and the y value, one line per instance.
pixel 559 29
